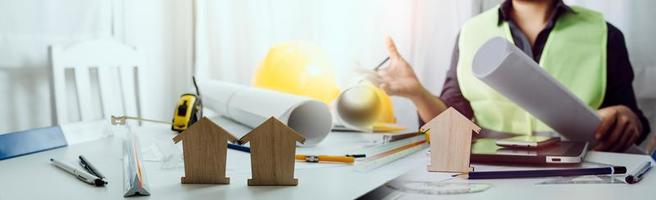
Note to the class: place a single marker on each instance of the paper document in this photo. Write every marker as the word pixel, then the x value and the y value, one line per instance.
pixel 513 74
pixel 252 106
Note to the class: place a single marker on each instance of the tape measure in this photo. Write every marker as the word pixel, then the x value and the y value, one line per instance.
pixel 188 110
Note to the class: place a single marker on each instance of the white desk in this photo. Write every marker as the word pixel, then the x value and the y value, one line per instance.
pixel 32 177
pixel 528 188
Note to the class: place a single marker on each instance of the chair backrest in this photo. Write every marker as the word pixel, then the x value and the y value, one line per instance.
pixel 117 68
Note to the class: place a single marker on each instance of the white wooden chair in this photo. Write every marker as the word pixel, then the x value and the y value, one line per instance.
pixel 117 69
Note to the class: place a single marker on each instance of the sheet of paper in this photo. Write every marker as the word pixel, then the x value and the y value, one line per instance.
pixel 252 106
pixel 81 132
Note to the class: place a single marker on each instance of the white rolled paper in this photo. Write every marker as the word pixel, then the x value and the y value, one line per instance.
pixel 508 70
pixel 252 106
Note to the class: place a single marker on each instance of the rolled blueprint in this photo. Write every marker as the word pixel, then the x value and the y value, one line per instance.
pixel 252 106
pixel 516 76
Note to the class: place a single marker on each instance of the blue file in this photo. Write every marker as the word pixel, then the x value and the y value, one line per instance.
pixel 31 141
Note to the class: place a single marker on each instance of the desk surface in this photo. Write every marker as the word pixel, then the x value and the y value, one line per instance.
pixel 32 177
pixel 529 188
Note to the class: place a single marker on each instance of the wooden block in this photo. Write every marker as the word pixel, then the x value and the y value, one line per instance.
pixel 204 148
pixel 450 141
pixel 273 147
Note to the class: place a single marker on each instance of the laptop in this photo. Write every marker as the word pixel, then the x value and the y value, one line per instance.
pixel 485 151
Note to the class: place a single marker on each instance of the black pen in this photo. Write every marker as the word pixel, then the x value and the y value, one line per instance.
pixel 81 175
pixel 89 167
pixel 544 173
pixel 381 64
pixel 635 178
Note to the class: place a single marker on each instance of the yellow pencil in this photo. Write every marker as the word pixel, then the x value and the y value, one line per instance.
pixel 325 158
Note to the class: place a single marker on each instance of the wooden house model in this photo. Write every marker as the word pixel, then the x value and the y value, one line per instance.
pixel 273 147
pixel 450 141
pixel 205 147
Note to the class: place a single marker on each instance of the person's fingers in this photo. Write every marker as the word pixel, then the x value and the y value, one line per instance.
pixel 369 75
pixel 374 79
pixel 383 73
pixel 608 119
pixel 365 72
pixel 388 76
pixel 626 135
pixel 632 139
pixel 391 48
pixel 614 136
pixel 386 87
pixel 621 126
pixel 386 79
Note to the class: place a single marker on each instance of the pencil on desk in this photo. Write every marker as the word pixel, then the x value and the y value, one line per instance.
pixel 326 158
pixel 349 158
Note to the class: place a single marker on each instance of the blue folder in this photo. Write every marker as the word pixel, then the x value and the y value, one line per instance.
pixel 31 141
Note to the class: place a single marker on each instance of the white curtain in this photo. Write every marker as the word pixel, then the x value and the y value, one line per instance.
pixel 27 29
pixel 232 37
pixel 161 30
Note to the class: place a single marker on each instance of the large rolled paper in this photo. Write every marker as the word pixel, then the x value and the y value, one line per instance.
pixel 252 106
pixel 509 71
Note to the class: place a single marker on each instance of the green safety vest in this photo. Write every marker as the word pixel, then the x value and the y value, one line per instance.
pixel 575 54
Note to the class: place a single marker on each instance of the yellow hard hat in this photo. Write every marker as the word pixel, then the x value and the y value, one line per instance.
pixel 365 104
pixel 298 68
pixel 301 68
pixel 387 110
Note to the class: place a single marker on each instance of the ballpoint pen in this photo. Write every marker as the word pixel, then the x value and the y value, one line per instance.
pixel 635 178
pixel 381 63
pixel 90 168
pixel 82 175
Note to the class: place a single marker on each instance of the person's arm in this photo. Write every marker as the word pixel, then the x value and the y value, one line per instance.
pixel 451 94
pixel 623 123
pixel 400 79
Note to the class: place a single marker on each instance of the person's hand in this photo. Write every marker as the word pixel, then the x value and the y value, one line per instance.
pixel 398 78
pixel 619 129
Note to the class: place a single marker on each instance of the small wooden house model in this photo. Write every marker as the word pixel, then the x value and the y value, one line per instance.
pixel 205 147
pixel 273 146
pixel 450 141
